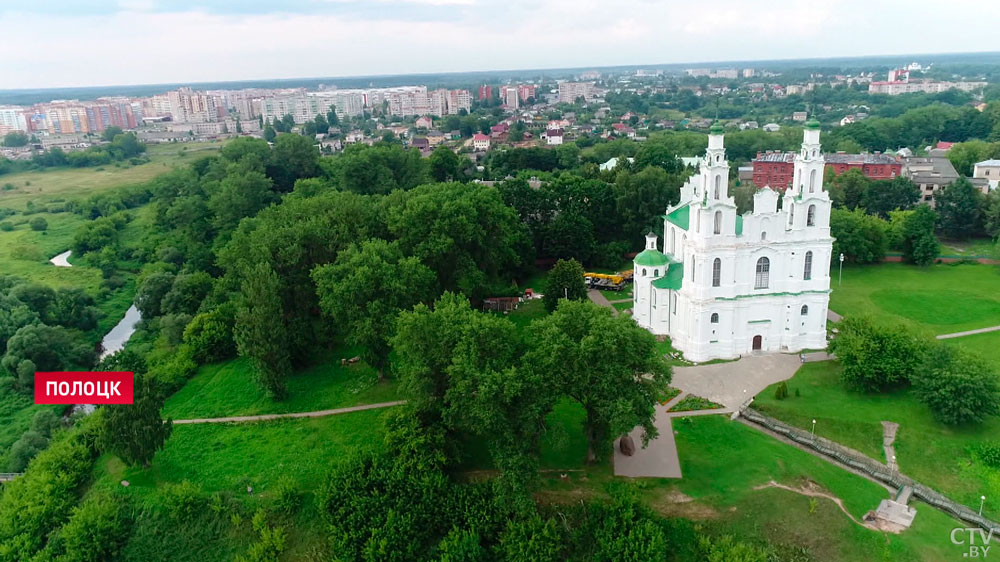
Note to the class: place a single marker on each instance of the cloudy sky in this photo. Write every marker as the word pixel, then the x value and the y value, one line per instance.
pixel 56 43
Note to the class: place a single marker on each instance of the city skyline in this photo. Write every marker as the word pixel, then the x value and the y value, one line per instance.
pixel 187 42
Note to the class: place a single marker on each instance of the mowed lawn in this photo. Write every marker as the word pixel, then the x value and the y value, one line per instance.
pixel 985 345
pixel 228 389
pixel 935 454
pixel 938 299
pixel 42 186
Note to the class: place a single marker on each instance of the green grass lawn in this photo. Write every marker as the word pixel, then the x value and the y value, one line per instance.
pixel 930 452
pixel 985 345
pixel 691 403
pixel 228 389
pixel 42 186
pixel 981 247
pixel 939 299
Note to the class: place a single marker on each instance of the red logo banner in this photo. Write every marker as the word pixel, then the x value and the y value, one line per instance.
pixel 84 387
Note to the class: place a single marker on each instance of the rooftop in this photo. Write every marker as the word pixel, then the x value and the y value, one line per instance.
pixel 651 258
pixel 681 216
pixel 993 162
pixel 864 158
pixel 673 279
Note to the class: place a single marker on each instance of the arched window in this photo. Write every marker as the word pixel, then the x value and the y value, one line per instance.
pixel 718 157
pixel 644 272
pixel 717 272
pixel 763 271
pixel 811 216
pixel 812 181
pixel 805 310
pixel 656 273
pixel 718 186
pixel 675 303
pixel 718 222
pixel 807 271
pixel 673 242
pixel 763 235
pixel 715 318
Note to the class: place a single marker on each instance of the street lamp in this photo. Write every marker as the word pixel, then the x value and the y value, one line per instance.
pixel 814 428
pixel 982 501
pixel 841 279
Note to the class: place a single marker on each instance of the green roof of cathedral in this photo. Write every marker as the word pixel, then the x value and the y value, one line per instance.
pixel 681 217
pixel 716 129
pixel 812 124
pixel 651 258
pixel 673 279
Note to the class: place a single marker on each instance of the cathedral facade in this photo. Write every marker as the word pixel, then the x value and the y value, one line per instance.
pixel 725 284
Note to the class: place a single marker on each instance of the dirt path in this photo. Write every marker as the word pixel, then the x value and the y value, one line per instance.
pixel 889 430
pixel 316 414
pixel 812 492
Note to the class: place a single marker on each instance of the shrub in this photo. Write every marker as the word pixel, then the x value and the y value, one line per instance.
pixel 957 386
pixel 875 357
pixel 781 392
pixel 6 226
pixel 182 501
pixel 38 224
pixel 97 530
pixel 988 453
pixel 210 335
pixel 24 449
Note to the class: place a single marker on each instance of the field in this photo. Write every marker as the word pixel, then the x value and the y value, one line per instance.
pixel 228 389
pixel 934 454
pixel 938 299
pixel 41 186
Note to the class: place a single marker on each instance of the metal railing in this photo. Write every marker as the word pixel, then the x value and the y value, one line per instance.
pixel 871 467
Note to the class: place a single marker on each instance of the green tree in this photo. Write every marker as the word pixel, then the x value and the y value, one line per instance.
pixel 239 195
pixel 331 117
pixel 74 308
pixel 260 332
pixel 960 209
pixel 110 133
pixel 565 280
pixel 445 165
pixel 642 198
pixel 859 236
pixel 134 432
pixel 37 347
pixel 269 133
pixel 15 139
pixel 959 387
pixel 848 189
pixel 38 224
pixel 364 291
pixel 532 539
pixel 152 289
pixel 294 157
pixel 919 244
pixel 98 529
pixel 884 196
pixel 991 214
pixel 876 358
pixel 606 363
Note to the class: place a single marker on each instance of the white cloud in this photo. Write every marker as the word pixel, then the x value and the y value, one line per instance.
pixel 138 45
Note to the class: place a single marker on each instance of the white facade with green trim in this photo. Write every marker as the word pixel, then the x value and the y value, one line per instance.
pixel 725 285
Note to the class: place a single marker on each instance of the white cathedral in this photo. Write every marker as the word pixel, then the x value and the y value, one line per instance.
pixel 726 285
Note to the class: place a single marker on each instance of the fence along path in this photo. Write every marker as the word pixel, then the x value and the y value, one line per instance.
pixel 874 469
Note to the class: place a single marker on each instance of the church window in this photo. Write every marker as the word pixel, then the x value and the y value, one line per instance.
pixel 811 216
pixel 718 186
pixel 812 181
pixel 675 303
pixel 644 272
pixel 715 318
pixel 717 272
pixel 656 273
pixel 763 235
pixel 805 310
pixel 807 272
pixel 763 272
pixel 718 222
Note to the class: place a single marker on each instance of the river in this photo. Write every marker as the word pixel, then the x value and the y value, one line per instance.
pixel 113 341
pixel 62 260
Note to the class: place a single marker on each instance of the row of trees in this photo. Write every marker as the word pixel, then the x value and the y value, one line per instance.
pixel 959 387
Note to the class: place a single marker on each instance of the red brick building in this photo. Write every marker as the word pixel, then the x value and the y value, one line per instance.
pixel 776 169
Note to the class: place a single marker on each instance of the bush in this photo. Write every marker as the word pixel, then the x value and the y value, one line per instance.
pixel 6 226
pixel 182 501
pixel 957 386
pixel 875 357
pixel 781 392
pixel 97 530
pixel 988 453
pixel 24 449
pixel 210 335
pixel 38 224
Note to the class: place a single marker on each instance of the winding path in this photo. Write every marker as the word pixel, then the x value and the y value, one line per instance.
pixel 315 414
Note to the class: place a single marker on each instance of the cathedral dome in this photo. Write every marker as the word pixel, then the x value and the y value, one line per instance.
pixel 651 258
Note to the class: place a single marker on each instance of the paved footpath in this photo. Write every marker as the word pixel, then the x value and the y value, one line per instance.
pixel 599 299
pixel 969 333
pixel 316 414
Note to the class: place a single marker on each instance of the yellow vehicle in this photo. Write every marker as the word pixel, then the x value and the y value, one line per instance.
pixel 607 281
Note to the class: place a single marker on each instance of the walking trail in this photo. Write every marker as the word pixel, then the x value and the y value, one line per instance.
pixel 811 492
pixel 316 414
pixel 889 430
pixel 969 333
pixel 599 299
